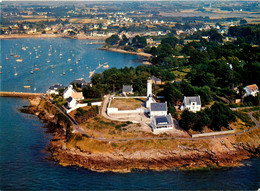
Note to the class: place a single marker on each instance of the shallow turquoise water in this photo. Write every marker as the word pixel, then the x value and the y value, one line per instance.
pixel 23 163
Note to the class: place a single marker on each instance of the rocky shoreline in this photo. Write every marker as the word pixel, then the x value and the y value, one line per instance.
pixel 224 152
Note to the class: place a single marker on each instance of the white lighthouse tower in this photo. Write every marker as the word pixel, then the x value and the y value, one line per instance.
pixel 149 88
pixel 150 98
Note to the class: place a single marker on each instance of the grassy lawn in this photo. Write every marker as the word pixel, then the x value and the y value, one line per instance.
pixel 72 114
pixel 127 103
pixel 102 127
pixel 243 121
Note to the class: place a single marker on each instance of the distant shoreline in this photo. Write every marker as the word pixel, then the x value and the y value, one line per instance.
pixel 142 54
pixel 17 36
pixel 81 37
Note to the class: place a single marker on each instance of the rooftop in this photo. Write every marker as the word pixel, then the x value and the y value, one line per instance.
pixel 163 120
pixel 252 88
pixel 79 81
pixel 127 88
pixel 158 106
pixel 196 99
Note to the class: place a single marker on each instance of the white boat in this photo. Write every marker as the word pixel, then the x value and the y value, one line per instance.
pixel 106 66
pixel 23 48
pixel 69 59
pixel 52 67
pixel 49 54
pixel 19 60
pixel 70 69
pixel 60 54
pixel 11 54
pixel 32 71
pixel 27 87
pixel 6 57
pixel 48 61
pixel 15 73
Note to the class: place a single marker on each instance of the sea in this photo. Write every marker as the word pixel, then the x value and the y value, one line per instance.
pixel 23 137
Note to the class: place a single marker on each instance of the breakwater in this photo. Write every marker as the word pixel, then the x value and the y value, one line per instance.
pixel 19 94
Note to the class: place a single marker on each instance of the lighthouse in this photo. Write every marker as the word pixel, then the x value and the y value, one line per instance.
pixel 149 88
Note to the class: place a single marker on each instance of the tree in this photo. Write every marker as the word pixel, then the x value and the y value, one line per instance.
pixel 188 119
pixel 172 94
pixel 170 40
pixel 91 92
pixel 221 116
pixel 114 39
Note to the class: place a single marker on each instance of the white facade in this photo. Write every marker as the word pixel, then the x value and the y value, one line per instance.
pixel 158 109
pixel 251 90
pixel 149 88
pixel 68 92
pixel 56 92
pixel 191 103
pixel 148 102
pixel 72 103
pixel 158 113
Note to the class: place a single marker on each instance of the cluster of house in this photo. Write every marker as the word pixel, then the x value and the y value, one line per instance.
pixel 158 112
pixel 69 94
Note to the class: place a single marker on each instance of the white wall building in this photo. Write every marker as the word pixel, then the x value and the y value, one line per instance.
pixel 162 123
pixel 158 109
pixel 71 102
pixel 191 103
pixel 251 90
pixel 68 92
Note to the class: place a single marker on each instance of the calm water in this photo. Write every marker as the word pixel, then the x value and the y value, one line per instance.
pixel 84 58
pixel 23 163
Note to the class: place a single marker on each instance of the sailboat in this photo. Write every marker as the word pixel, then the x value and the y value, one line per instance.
pixel 6 57
pixel 16 55
pixel 11 54
pixel 32 70
pixel 19 60
pixel 15 71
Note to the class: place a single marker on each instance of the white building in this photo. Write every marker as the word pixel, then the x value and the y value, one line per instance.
pixel 71 102
pixel 191 103
pixel 251 90
pixel 149 94
pixel 158 109
pixel 127 89
pixel 55 89
pixel 162 123
pixel 68 92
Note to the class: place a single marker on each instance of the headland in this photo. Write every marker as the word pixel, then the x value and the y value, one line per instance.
pixel 105 153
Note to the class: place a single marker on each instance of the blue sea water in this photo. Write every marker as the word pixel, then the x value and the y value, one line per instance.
pixel 83 54
pixel 23 163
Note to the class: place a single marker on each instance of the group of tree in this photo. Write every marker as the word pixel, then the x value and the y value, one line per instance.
pixel 112 80
pixel 82 115
pixel 219 115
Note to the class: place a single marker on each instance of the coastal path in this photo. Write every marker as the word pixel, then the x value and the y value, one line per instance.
pixel 73 122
